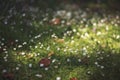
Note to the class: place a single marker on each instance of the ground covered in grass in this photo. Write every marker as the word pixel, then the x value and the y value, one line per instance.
pixel 65 44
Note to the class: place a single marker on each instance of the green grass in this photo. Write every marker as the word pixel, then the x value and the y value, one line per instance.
pixel 98 50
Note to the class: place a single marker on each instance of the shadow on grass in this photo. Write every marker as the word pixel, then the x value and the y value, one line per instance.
pixel 101 65
pixel 108 67
pixel 111 70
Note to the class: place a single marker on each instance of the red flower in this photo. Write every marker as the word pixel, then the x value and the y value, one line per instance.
pixel 45 62
pixel 9 76
pixel 55 21
pixel 73 78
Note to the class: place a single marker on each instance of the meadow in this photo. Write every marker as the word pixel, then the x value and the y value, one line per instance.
pixel 60 44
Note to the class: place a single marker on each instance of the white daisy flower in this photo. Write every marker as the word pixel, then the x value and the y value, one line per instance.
pixel 4 70
pixel 17 68
pixel 58 78
pixel 68 60
pixel 30 65
pixel 39 75
pixel 41 65
pixel 22 53
pixel 46 68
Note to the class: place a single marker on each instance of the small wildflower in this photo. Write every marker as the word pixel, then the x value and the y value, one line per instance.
pixel 101 67
pixel 48 48
pixel 84 54
pixel 72 42
pixel 118 36
pixel 14 49
pixel 88 72
pixel 58 78
pixel 41 65
pixel 46 68
pixel 24 43
pixel 39 75
pixel 96 63
pixel 56 67
pixel 79 60
pixel 22 53
pixel 99 33
pixel 17 68
pixel 19 46
pixel 58 48
pixel 3 39
pixel 6 52
pixel 36 47
pixel 68 60
pixel 74 30
pixel 30 65
pixel 4 71
pixel 53 60
pixel 23 14
pixel 107 28
pixel 2 44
